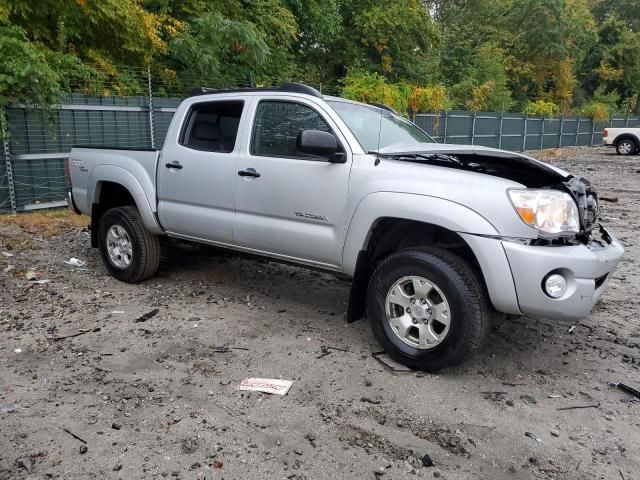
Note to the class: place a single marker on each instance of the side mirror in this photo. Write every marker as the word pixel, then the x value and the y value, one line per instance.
pixel 319 143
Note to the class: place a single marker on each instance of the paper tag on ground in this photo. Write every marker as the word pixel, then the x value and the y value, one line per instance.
pixel 266 385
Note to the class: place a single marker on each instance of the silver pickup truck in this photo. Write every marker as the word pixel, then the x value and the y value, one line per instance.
pixel 434 237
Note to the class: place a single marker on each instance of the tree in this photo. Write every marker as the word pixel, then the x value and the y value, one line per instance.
pixel 613 63
pixel 218 52
pixel 396 38
pixel 320 30
pixel 484 87
pixel 105 33
pixel 546 39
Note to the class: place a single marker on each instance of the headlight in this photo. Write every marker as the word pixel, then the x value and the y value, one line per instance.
pixel 550 211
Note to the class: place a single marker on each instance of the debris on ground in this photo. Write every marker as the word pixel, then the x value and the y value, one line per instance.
pixel 74 435
pixel 76 334
pixel 531 435
pixel 27 462
pixel 426 460
pixel 626 388
pixel 608 199
pixel 147 316
pixel 75 262
pixel 31 274
pixel 578 407
pixel 385 359
pixel 572 329
pixel 10 408
pixel 266 385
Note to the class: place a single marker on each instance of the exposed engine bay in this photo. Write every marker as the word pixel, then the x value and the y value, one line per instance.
pixel 524 170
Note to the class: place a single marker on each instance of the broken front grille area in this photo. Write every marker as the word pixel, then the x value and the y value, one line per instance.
pixel 587 200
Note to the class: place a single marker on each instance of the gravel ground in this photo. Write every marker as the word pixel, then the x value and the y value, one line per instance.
pixel 158 399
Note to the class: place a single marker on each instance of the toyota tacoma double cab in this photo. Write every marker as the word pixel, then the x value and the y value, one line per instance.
pixel 626 140
pixel 435 238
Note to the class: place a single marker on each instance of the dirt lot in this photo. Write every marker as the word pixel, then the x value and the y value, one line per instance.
pixel 158 398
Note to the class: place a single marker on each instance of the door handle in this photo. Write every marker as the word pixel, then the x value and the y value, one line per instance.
pixel 249 172
pixel 177 165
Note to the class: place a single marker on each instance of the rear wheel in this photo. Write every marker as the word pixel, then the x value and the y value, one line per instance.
pixel 427 308
pixel 129 251
pixel 626 147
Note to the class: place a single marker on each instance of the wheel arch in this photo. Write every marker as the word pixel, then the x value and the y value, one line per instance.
pixel 428 221
pixel 627 136
pixel 117 187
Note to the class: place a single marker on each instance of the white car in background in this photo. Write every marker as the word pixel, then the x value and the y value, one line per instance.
pixel 626 140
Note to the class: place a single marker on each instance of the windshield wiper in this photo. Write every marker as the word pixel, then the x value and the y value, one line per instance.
pixel 424 157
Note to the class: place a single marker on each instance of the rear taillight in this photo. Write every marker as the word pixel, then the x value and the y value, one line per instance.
pixel 605 134
pixel 67 171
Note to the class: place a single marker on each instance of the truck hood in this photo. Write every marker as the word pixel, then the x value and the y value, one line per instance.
pixel 489 161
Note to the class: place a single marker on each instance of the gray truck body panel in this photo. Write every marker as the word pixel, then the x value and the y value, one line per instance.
pixel 322 214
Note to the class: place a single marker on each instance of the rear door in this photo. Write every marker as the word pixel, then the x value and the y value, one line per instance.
pixel 196 174
pixel 289 203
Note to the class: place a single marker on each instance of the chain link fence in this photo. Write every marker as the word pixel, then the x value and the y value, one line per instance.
pixel 37 141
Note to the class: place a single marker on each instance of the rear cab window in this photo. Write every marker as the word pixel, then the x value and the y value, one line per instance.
pixel 212 126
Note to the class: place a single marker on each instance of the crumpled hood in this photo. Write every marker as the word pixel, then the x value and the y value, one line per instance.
pixel 489 161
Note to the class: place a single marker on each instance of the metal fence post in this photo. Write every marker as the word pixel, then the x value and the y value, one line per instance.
pixel 473 128
pixel 524 135
pixel 446 122
pixel 500 133
pixel 561 131
pixel 7 159
pixel 577 133
pixel 593 131
pixel 152 131
pixel 626 122
pixel 542 135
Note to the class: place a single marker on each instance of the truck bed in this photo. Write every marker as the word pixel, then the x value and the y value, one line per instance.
pixel 90 165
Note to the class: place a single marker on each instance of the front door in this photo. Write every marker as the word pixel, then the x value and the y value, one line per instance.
pixel 196 174
pixel 289 203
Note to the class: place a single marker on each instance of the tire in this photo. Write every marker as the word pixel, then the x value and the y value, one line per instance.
pixel 143 258
pixel 626 146
pixel 453 282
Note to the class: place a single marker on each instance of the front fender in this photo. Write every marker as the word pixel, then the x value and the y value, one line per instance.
pixel 116 174
pixel 444 213
pixel 421 208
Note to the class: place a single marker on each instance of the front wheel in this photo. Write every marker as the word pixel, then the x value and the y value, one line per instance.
pixel 427 308
pixel 129 251
pixel 626 147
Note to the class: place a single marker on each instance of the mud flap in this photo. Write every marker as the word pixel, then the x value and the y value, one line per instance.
pixel 358 294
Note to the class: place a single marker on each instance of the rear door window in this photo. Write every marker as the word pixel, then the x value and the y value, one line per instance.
pixel 213 126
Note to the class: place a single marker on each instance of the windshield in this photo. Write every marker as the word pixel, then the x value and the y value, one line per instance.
pixel 376 128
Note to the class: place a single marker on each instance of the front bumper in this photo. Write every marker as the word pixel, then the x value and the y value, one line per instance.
pixel 587 269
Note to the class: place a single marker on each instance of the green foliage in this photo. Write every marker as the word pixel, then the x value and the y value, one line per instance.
pixel 373 88
pixel 413 54
pixel 485 85
pixel 433 98
pixel 218 52
pixel 541 108
pixel 25 73
pixel 601 105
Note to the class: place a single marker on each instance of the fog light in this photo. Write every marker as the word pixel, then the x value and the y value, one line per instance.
pixel 555 286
